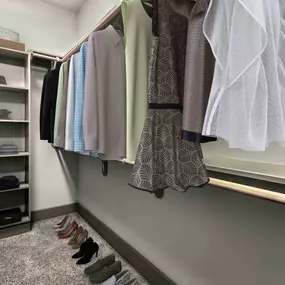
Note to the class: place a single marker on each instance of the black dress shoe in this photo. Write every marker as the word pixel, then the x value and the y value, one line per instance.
pixel 90 250
pixel 83 247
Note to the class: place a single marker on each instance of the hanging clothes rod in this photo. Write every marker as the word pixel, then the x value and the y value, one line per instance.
pixel 249 190
pixel 45 56
pixel 108 17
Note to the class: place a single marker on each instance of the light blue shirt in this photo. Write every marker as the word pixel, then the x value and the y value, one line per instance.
pixel 79 145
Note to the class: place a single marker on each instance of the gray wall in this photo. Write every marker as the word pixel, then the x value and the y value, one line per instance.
pixel 54 172
pixel 207 236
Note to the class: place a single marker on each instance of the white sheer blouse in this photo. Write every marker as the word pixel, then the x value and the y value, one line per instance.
pixel 247 100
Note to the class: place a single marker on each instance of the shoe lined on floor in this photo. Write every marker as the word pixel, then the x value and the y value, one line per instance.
pixel 81 239
pixel 133 281
pixel 83 247
pixel 106 272
pixel 99 264
pixel 62 222
pixel 90 250
pixel 64 226
pixel 69 232
pixel 74 238
pixel 119 279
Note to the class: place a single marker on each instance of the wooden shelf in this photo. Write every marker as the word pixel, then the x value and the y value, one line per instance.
pixel 11 53
pixel 23 186
pixel 13 88
pixel 14 155
pixel 23 221
pixel 14 121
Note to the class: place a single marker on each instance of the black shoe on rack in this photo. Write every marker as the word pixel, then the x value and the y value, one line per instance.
pixel 83 248
pixel 90 250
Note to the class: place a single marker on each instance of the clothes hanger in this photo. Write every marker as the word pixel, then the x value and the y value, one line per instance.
pixel 147 4
pixel 117 26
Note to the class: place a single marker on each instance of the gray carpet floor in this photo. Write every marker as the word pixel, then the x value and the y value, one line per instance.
pixel 39 257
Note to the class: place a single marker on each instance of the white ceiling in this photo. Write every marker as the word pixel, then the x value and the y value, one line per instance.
pixel 72 5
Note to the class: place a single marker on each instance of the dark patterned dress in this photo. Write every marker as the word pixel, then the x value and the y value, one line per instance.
pixel 164 160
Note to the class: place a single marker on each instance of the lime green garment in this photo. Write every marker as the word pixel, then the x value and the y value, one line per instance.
pixel 60 111
pixel 137 28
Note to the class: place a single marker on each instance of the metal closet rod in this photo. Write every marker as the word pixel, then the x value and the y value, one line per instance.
pixel 45 56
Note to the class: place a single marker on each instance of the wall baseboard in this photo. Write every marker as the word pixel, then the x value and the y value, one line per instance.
pixel 54 212
pixel 152 274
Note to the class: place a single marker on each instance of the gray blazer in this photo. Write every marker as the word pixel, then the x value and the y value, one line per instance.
pixel 104 116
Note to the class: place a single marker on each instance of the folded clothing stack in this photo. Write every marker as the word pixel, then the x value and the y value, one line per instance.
pixel 9 182
pixel 4 114
pixel 8 149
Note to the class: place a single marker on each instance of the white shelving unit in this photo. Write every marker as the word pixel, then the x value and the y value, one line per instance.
pixel 21 153
pixel 11 53
pixel 13 89
pixel 15 97
pixel 24 220
pixel 23 186
pixel 14 121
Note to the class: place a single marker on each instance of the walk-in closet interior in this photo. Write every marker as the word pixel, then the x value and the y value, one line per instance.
pixel 142 142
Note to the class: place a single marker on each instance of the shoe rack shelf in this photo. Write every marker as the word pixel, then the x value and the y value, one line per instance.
pixel 25 220
pixel 15 96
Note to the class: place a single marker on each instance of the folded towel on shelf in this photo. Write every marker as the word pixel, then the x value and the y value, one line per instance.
pixel 2 152
pixel 4 114
pixel 8 148
pixel 9 182
pixel 4 111
pixel 3 80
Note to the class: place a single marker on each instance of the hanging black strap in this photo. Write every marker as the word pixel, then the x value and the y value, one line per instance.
pixel 104 167
pixel 159 194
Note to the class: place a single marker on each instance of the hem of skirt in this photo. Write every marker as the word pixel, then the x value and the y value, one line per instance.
pixel 161 189
pixel 196 137
pixel 146 190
